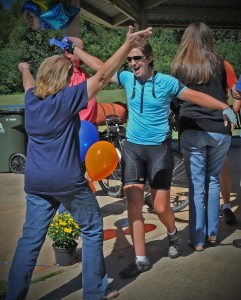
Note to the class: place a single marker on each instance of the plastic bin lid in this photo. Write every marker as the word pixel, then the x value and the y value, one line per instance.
pixel 11 109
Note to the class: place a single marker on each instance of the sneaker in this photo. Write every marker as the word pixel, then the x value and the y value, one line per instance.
pixel 237 243
pixel 135 269
pixel 174 245
pixel 229 216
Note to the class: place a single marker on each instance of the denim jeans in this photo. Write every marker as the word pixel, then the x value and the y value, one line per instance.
pixel 39 213
pixel 204 154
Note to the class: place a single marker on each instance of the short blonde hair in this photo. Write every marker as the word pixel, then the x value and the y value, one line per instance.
pixel 53 75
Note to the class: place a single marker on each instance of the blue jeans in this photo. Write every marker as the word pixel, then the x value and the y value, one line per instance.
pixel 62 209
pixel 204 154
pixel 39 213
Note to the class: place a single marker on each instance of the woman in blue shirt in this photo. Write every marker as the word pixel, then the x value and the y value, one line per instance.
pixel 54 173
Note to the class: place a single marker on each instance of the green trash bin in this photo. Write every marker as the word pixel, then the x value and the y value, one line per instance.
pixel 13 139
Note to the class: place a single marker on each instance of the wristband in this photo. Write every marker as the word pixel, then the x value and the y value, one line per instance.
pixel 71 47
pixel 65 44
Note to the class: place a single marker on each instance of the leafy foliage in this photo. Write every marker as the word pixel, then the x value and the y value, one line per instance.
pixel 64 231
pixel 20 43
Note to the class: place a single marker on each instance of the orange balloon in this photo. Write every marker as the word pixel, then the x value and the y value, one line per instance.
pixel 91 186
pixel 101 160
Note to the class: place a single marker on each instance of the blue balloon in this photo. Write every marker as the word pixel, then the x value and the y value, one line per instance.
pixel 88 135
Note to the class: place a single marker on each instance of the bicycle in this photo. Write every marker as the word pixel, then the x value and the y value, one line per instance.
pixel 112 186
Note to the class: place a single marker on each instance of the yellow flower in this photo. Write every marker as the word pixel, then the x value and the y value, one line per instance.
pixel 64 231
pixel 62 223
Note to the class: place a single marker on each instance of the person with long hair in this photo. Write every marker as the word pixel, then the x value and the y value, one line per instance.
pixel 147 153
pixel 54 172
pixel 205 140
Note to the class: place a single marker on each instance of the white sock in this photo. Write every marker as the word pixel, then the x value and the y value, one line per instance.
pixel 174 232
pixel 226 205
pixel 141 258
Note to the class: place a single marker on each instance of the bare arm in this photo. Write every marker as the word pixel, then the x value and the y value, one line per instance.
pixel 237 99
pixel 207 101
pixel 28 80
pixel 236 106
pixel 89 60
pixel 202 99
pixel 108 69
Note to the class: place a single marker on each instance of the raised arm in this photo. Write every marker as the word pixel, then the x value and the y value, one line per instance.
pixel 108 69
pixel 28 80
pixel 89 60
pixel 133 39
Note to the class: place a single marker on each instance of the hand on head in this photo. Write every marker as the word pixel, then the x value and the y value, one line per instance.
pixel 136 38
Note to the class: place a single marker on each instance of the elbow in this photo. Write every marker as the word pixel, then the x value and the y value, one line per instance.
pixel 98 65
pixel 104 80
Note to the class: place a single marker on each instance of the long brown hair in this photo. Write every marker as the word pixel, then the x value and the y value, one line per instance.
pixel 196 60
pixel 53 74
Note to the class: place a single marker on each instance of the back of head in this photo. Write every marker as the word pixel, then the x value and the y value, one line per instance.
pixel 196 59
pixel 53 75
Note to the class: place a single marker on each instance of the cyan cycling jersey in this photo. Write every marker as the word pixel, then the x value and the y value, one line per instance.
pixel 149 106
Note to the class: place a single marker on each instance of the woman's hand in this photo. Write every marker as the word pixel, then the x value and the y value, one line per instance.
pixel 136 38
pixel 229 117
pixel 22 66
pixel 28 80
pixel 235 93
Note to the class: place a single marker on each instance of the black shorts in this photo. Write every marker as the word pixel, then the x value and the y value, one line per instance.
pixel 142 162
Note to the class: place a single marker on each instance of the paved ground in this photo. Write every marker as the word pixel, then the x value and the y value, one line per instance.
pixel 213 274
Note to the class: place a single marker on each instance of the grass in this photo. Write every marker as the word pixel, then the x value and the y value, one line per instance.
pixel 3 283
pixel 3 287
pixel 43 278
pixel 103 96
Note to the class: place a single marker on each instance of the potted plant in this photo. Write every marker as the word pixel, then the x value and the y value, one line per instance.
pixel 64 232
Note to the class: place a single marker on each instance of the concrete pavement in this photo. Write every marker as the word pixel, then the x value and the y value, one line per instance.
pixel 213 274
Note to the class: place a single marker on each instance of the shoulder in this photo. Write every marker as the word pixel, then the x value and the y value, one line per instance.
pixel 123 76
pixel 165 79
pixel 228 67
pixel 29 93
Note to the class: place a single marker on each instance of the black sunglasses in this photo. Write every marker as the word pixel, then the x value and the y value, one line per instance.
pixel 136 58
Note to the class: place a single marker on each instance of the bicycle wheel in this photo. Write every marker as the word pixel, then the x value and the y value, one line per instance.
pixel 179 188
pixel 112 185
pixel 17 163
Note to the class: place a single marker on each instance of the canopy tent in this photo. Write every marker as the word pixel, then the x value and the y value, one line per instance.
pixel 218 14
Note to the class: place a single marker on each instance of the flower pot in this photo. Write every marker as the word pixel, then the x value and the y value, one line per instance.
pixel 65 256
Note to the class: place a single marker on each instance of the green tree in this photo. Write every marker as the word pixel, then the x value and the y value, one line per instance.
pixel 21 43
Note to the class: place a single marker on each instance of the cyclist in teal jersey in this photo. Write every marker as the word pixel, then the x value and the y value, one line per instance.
pixel 147 153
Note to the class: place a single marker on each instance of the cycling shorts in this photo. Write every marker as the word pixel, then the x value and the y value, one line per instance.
pixel 152 162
